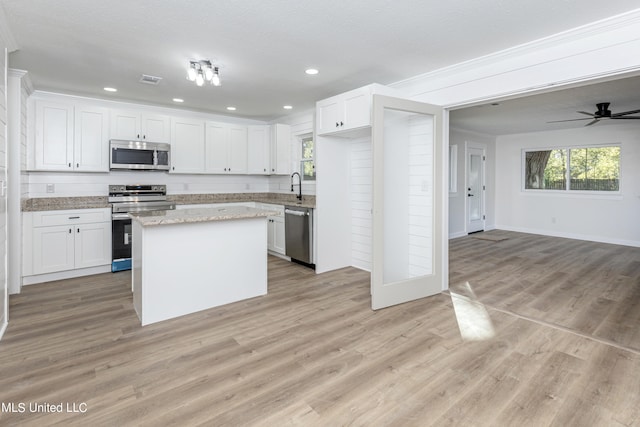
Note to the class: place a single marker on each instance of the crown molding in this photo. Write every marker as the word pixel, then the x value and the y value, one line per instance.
pixel 589 30
pixel 24 75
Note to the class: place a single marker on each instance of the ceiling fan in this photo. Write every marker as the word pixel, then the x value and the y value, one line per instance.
pixel 602 113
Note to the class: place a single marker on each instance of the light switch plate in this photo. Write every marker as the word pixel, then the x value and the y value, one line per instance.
pixel 51 188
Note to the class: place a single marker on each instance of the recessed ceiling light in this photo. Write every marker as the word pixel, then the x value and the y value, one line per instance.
pixel 311 71
pixel 231 108
pixel 288 107
pixel 178 100
pixel 110 89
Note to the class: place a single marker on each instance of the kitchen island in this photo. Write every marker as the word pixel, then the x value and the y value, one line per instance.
pixel 184 261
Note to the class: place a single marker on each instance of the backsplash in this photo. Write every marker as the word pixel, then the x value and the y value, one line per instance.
pixel 96 184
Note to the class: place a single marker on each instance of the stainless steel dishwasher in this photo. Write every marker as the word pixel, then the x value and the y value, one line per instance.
pixel 298 231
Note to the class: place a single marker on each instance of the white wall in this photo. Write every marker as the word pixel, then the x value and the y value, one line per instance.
pixel 17 92
pixel 457 200
pixel 604 218
pixel 4 298
pixel 361 195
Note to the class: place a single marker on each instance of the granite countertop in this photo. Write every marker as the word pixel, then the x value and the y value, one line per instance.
pixel 184 216
pixel 88 202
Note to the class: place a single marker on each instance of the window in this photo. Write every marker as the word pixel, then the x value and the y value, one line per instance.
pixel 573 169
pixel 307 164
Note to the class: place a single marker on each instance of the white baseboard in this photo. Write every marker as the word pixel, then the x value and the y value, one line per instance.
pixel 61 275
pixel 2 329
pixel 457 234
pixel 575 236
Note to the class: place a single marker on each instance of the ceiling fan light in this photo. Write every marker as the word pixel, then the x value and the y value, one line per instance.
pixel 208 72
pixel 215 78
pixel 191 72
pixel 200 78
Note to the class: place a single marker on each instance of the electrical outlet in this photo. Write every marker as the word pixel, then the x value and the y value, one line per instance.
pixel 51 188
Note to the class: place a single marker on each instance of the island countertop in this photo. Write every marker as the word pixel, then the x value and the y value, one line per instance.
pixel 184 216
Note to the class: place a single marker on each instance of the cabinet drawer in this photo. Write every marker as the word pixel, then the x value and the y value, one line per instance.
pixel 67 217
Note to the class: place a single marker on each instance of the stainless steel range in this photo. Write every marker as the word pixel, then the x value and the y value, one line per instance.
pixel 131 198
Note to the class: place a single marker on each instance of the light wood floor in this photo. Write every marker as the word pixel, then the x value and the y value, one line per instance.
pixel 313 353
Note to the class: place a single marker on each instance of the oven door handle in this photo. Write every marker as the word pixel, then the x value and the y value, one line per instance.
pixel 120 216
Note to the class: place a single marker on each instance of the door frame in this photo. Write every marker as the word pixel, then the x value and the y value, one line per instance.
pixel 405 290
pixel 479 146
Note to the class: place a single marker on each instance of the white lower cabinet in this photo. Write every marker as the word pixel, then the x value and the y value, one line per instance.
pixel 70 239
pixel 53 249
pixel 276 232
pixel 275 228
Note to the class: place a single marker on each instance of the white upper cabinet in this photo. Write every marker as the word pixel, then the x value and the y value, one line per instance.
pixel 187 146
pixel 258 150
pixel 226 148
pixel 348 111
pixel 71 138
pixel 280 158
pixel 156 128
pixel 54 136
pixel 133 125
pixel 91 145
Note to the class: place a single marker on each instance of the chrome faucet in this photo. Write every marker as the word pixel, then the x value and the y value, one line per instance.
pixel 299 196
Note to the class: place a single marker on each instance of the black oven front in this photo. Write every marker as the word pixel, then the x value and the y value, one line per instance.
pixel 125 199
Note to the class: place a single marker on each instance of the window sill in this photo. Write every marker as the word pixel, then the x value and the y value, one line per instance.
pixel 595 195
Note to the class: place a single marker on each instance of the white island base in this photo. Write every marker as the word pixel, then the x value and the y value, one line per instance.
pixel 182 268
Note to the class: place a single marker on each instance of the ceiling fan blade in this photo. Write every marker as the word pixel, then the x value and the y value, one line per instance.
pixel 625 113
pixel 588 114
pixel 569 120
pixel 594 121
pixel 627 118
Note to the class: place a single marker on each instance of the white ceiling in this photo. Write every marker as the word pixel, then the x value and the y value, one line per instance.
pixel 532 113
pixel 263 46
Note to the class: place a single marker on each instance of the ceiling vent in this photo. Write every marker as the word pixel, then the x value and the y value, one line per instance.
pixel 150 80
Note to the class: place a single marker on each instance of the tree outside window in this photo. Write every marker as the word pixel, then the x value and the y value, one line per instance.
pixel 307 163
pixel 578 169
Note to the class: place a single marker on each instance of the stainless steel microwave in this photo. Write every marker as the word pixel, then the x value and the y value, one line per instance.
pixel 139 155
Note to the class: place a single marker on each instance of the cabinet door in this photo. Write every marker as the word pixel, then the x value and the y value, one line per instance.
pixel 125 125
pixel 53 249
pixel 258 150
pixel 329 115
pixel 280 149
pixel 357 108
pixel 187 146
pixel 92 244
pixel 156 128
pixel 271 234
pixel 91 146
pixel 54 136
pixel 217 136
pixel 237 150
pixel 279 237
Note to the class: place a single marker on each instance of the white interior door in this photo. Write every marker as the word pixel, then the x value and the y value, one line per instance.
pixel 475 189
pixel 407 201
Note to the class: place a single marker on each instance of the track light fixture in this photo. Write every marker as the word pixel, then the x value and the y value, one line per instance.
pixel 202 71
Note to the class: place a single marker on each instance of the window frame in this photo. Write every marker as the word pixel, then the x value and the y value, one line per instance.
pixel 302 139
pixel 568 190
